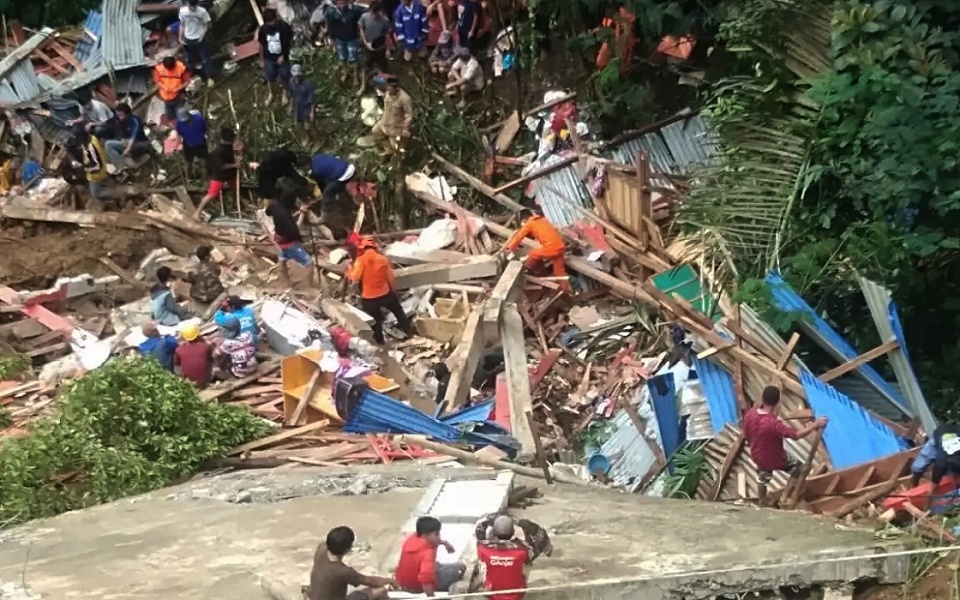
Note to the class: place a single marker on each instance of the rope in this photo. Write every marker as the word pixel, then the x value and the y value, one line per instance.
pixel 706 573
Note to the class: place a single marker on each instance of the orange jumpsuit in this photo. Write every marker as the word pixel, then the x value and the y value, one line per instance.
pixel 377 288
pixel 552 246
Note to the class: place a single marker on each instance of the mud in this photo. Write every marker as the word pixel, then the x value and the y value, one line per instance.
pixel 34 255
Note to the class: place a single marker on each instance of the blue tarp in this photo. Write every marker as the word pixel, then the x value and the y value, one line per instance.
pixel 663 395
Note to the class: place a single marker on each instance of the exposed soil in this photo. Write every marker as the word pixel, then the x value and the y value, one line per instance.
pixel 938 584
pixel 34 255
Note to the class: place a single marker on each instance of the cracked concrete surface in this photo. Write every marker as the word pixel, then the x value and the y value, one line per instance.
pixel 214 539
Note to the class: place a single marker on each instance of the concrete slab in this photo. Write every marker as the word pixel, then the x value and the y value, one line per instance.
pixel 215 538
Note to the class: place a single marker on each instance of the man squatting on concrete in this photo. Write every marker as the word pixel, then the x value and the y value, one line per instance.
pixel 330 577
pixel 765 434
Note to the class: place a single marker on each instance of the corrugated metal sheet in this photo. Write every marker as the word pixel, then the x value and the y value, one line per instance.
pixel 559 193
pixel 829 339
pixel 71 83
pixel 676 149
pixel 856 389
pixel 884 313
pixel 720 393
pixel 24 81
pixel 853 436
pixel 88 48
pixel 716 450
pixel 122 40
pixel 630 456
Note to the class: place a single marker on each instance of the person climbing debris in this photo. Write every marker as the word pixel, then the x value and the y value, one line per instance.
pixel 193 358
pixel 235 307
pixel 302 97
pixel 765 433
pixel 504 559
pixel 163 304
pixel 411 28
pixel 444 54
pixel 235 353
pixel 192 129
pixel 330 577
pixel 375 28
pixel 418 571
pixel 95 116
pixel 92 159
pixel 377 288
pixel 942 452
pixel 343 28
pixel 194 25
pixel 133 143
pixel 276 40
pixel 552 247
pixel 172 78
pixel 332 175
pixel 465 77
pixel 158 346
pixel 224 163
pixel 277 165
pixel 395 125
pixel 205 284
pixel 287 237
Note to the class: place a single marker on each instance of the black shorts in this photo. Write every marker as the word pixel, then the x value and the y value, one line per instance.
pixel 793 468
pixel 192 153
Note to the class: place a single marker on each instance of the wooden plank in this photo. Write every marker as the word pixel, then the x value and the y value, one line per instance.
pixel 479 185
pixel 508 289
pixel 551 168
pixel 123 273
pixel 728 461
pixel 76 217
pixel 211 394
pixel 788 351
pixel 478 268
pixel 463 361
pixel 794 494
pixel 859 361
pixel 308 394
pixel 517 376
pixel 509 131
pixel 868 474
pixel 407 255
pixel 538 447
pixel 279 437
pixel 66 55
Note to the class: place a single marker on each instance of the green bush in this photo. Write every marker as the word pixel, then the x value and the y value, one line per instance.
pixel 127 428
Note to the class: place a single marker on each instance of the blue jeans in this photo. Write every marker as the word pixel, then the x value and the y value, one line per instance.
pixel 197 52
pixel 276 72
pixel 116 148
pixel 171 107
pixel 347 51
pixel 297 254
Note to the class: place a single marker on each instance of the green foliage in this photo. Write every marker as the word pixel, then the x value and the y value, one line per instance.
pixel 595 434
pixel 127 428
pixel 756 294
pixel 688 465
pixel 14 366
pixel 5 419
pixel 49 13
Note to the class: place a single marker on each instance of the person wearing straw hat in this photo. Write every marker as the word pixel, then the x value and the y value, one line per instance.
pixel 193 359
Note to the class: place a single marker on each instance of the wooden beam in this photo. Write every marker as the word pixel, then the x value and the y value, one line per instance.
pixel 294 419
pixel 795 492
pixel 405 254
pixel 859 361
pixel 788 351
pixel 538 447
pixel 347 317
pixel 463 361
pixel 728 461
pixel 477 268
pixel 479 185
pixel 518 376
pixel 279 437
pixel 641 426
pixel 533 111
pixel 508 289
pixel 76 217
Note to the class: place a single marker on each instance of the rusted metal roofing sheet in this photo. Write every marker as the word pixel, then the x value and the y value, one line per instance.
pixel 630 456
pixel 122 40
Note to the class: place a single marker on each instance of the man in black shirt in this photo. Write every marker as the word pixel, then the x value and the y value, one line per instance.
pixel 224 162
pixel 276 165
pixel 276 40
pixel 287 237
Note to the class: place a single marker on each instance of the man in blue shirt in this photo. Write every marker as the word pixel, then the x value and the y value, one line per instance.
pixel 411 27
pixel 235 307
pixel 192 129
pixel 160 347
pixel 942 451
pixel 333 175
pixel 133 142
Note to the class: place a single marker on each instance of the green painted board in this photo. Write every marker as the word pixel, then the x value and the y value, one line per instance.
pixel 684 282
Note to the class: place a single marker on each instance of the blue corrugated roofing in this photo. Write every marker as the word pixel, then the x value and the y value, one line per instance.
pixel 720 392
pixel 663 396
pixel 852 436
pixel 87 50
pixel 377 413
pixel 788 300
pixel 897 328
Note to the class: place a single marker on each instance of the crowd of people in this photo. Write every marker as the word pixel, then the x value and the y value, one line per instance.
pixel 505 551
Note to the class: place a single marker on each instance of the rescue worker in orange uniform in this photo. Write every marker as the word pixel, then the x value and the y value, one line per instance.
pixel 377 287
pixel 552 246
pixel 172 78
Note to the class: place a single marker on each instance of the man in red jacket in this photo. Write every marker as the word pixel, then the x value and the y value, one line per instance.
pixel 418 571
pixel 504 560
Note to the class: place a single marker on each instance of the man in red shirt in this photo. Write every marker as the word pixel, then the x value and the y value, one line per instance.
pixel 418 571
pixel 765 433
pixel 504 560
pixel 193 358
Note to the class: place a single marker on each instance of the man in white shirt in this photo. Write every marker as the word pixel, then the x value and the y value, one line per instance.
pixel 466 76
pixel 96 117
pixel 194 23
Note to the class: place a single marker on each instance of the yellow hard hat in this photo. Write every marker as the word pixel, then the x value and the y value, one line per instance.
pixel 190 332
